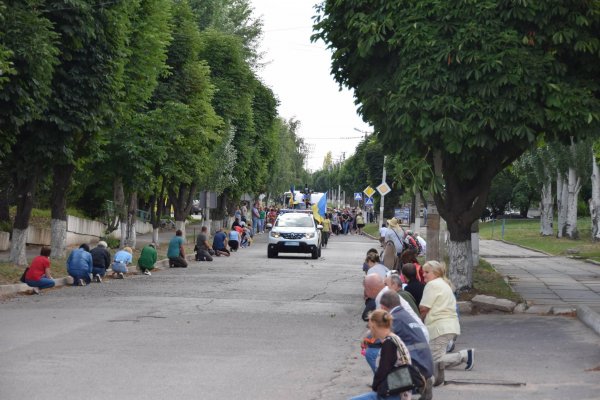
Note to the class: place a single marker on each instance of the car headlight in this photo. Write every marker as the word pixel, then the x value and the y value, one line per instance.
pixel 275 234
pixel 309 235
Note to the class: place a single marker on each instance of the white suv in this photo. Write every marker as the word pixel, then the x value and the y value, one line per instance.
pixel 295 232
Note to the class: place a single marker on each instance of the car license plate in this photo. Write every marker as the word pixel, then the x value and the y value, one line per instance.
pixel 292 243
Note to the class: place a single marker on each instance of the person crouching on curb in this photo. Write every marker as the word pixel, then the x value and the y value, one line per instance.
pixel 79 265
pixel 100 260
pixel 380 325
pixel 147 259
pixel 38 274
pixel 122 259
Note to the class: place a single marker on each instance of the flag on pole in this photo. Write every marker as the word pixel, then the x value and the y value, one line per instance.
pixel 320 208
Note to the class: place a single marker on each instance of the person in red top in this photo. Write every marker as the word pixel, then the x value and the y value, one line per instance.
pixel 38 275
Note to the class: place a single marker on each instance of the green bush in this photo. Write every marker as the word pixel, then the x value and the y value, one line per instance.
pixel 583 209
pixel 5 226
pixel 111 241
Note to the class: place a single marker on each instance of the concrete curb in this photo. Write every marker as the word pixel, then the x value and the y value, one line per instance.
pixel 22 288
pixel 590 261
pixel 589 317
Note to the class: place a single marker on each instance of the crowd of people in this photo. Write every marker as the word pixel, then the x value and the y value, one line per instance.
pixel 412 317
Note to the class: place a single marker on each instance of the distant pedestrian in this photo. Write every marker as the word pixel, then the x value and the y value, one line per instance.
pixel 255 218
pixel 100 260
pixel 360 221
pixel 38 274
pixel 122 259
pixel 80 265
pixel 147 259
pixel 395 234
pixel 262 217
pixel 176 252
pixel 326 231
pixel 203 248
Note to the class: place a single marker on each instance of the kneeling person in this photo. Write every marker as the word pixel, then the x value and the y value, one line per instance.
pixel 122 260
pixel 203 248
pixel 220 243
pixel 147 259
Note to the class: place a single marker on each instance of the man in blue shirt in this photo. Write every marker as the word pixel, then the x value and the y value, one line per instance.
pixel 80 264
pixel 220 243
pixel 176 253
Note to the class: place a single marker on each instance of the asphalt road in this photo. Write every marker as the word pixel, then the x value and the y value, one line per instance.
pixel 248 327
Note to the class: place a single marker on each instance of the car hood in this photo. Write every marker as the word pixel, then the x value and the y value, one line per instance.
pixel 293 229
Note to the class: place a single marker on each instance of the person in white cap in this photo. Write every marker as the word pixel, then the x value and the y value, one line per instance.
pixel 100 260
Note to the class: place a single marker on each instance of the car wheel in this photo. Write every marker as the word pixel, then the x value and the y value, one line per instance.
pixel 319 254
pixel 315 253
pixel 271 253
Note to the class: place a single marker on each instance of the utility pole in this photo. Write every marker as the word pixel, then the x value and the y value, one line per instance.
pixel 383 177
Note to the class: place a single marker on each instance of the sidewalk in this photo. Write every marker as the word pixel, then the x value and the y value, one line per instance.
pixel 545 280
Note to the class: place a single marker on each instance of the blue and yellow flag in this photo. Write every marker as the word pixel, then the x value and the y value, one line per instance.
pixel 320 208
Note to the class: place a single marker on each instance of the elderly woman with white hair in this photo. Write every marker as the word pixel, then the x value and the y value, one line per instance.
pixel 438 310
pixel 122 259
pixel 100 260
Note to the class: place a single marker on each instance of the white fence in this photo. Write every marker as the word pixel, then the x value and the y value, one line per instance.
pixel 79 230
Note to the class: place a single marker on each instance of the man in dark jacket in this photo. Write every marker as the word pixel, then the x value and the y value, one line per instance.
pixel 100 260
pixel 411 334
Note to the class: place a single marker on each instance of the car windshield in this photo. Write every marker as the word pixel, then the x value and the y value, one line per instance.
pixel 294 221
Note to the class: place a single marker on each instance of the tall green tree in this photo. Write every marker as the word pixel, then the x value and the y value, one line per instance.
pixel 467 86
pixel 185 100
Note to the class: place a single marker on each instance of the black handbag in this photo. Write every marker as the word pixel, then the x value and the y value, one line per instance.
pixel 23 276
pixel 403 377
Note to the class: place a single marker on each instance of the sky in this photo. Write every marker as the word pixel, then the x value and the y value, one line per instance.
pixel 298 72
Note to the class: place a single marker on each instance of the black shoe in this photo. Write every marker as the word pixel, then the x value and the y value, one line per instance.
pixel 470 359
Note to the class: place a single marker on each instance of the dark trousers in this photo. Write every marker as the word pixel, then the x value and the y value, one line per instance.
pixel 177 262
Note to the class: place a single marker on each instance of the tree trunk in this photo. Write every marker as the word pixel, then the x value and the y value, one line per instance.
pixel 475 243
pixel 5 190
pixel 131 218
pixel 60 187
pixel 595 200
pixel 155 236
pixel 123 239
pixel 180 226
pixel 25 190
pixel 182 203
pixel 546 208
pixel 461 263
pixel 562 199
pixel 574 186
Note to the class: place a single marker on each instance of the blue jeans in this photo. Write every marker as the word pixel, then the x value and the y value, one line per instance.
pixel 77 275
pixel 43 283
pixel 371 354
pixel 255 224
pixel 375 396
pixel 98 271
pixel 119 267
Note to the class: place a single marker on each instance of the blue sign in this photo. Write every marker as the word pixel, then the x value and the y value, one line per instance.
pixel 369 201
pixel 358 196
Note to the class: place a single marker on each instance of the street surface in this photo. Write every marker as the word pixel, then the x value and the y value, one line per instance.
pixel 248 327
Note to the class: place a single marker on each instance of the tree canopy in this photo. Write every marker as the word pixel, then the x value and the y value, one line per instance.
pixel 466 87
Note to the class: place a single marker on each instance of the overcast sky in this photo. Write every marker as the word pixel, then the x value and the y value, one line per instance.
pixel 298 72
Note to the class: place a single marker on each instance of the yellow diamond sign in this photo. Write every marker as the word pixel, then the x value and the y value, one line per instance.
pixel 369 191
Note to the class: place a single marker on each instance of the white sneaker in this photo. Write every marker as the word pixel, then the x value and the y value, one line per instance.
pixel 121 275
pixel 146 272
pixel 82 282
pixel 36 290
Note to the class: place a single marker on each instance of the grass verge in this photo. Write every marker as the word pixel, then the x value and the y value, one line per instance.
pixel 526 232
pixel 486 280
pixel 372 229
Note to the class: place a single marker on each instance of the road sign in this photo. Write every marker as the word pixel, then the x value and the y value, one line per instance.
pixel 384 188
pixel 358 196
pixel 369 201
pixel 369 191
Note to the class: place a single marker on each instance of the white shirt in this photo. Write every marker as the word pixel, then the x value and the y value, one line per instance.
pixel 423 244
pixel 382 231
pixel 396 237
pixel 408 309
